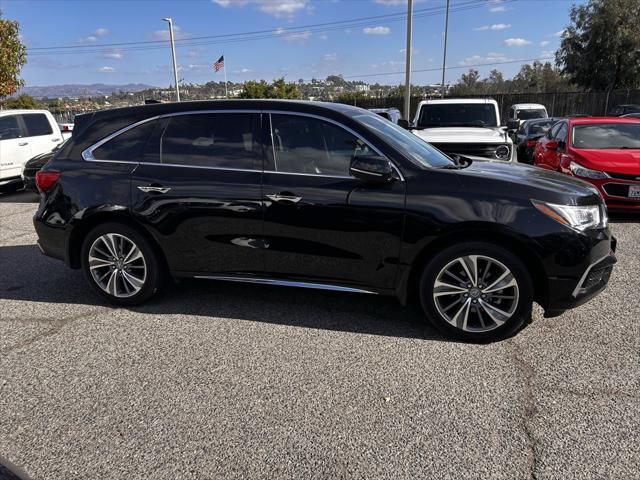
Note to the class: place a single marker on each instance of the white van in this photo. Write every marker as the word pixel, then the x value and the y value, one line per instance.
pixel 24 134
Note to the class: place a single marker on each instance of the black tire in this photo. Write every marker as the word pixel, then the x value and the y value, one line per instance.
pixel 479 327
pixel 152 279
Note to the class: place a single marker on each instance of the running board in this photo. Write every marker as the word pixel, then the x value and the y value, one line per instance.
pixel 285 283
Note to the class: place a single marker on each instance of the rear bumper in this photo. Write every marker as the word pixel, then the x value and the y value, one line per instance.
pixel 52 240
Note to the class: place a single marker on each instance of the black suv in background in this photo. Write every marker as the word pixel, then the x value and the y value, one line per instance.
pixel 322 196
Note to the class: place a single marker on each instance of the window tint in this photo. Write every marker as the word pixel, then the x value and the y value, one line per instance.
pixel 562 133
pixel 37 124
pixel 222 140
pixel 554 130
pixel 127 146
pixel 9 127
pixel 310 145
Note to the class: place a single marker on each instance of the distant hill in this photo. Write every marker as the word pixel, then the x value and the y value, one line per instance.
pixel 55 91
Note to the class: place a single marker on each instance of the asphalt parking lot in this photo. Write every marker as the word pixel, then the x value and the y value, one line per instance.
pixel 219 380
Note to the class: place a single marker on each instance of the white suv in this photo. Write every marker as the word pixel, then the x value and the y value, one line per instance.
pixel 23 135
pixel 464 126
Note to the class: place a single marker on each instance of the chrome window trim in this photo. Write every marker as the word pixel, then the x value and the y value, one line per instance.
pixel 285 283
pixel 87 154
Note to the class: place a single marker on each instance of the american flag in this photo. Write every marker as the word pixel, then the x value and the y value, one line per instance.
pixel 219 64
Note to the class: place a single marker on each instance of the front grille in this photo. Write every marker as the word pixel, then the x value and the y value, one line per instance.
pixel 618 190
pixel 624 176
pixel 597 276
pixel 475 149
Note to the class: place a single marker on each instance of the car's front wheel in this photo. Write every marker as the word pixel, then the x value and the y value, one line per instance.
pixel 120 264
pixel 476 291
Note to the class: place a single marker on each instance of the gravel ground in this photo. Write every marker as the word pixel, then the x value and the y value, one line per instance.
pixel 218 380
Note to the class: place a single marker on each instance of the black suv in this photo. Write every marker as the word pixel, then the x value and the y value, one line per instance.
pixel 321 196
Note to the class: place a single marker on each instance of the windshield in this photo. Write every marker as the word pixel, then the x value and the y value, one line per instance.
pixel 417 150
pixel 384 115
pixel 540 128
pixel 529 114
pixel 457 115
pixel 607 136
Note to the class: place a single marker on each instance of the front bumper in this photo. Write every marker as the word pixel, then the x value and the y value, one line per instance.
pixel 566 293
pixel 616 193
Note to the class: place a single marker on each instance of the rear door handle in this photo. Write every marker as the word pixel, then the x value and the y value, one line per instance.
pixel 23 144
pixel 155 189
pixel 280 197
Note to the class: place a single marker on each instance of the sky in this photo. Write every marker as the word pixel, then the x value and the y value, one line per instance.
pixel 77 41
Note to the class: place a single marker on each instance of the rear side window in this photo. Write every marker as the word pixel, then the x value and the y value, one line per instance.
pixel 37 124
pixel 129 146
pixel 214 140
pixel 9 127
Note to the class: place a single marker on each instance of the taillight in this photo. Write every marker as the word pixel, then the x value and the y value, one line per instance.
pixel 46 180
pixel 531 143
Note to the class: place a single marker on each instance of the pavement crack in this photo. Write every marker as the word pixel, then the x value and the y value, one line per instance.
pixel 527 373
pixel 56 326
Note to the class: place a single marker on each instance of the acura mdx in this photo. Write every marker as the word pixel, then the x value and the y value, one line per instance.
pixel 318 195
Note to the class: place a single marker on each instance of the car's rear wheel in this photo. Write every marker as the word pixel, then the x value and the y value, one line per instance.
pixel 476 291
pixel 120 264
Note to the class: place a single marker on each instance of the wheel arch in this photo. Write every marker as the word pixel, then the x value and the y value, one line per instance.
pixel 82 228
pixel 408 287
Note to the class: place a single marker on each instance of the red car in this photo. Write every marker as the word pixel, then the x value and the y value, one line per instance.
pixel 602 150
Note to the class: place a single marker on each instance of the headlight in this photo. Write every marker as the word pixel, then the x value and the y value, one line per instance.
pixel 503 152
pixel 584 172
pixel 580 217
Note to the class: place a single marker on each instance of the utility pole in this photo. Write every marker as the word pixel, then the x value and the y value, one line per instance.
pixel 407 80
pixel 444 54
pixel 173 57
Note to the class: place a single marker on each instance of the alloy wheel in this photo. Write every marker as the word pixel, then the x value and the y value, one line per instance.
pixel 476 293
pixel 117 265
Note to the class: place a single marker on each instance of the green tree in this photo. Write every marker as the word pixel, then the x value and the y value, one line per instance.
pixel 254 89
pixel 56 107
pixel 601 47
pixel 22 101
pixel 278 89
pixel 13 55
pixel 468 84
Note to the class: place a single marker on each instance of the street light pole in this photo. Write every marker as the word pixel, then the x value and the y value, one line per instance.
pixel 444 54
pixel 407 80
pixel 173 56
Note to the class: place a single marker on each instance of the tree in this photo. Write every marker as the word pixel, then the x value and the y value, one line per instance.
pixel 600 50
pixel 254 89
pixel 13 55
pixel 468 84
pixel 23 101
pixel 278 89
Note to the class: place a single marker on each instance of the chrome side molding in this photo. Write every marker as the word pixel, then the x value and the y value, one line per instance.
pixel 284 283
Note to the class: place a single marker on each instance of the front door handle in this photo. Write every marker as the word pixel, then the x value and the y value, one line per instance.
pixel 280 197
pixel 23 144
pixel 155 189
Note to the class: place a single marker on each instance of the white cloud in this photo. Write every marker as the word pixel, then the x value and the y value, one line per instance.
pixel 296 37
pixel 548 53
pixel 113 53
pixel 544 43
pixel 516 42
pixel 560 33
pixel 89 39
pixel 106 69
pixel 93 36
pixel 376 30
pixel 329 57
pixel 230 3
pixel 391 3
pixel 323 36
pixel 491 57
pixel 498 9
pixel 277 8
pixel 100 32
pixel 178 34
pixel 495 27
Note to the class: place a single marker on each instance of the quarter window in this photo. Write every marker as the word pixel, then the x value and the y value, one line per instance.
pixel 37 124
pixel 128 146
pixel 9 127
pixel 313 146
pixel 217 140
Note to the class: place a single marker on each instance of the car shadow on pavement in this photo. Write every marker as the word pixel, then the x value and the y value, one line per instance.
pixel 18 196
pixel 36 278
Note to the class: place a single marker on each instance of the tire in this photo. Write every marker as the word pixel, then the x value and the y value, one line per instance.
pixel 129 282
pixel 493 308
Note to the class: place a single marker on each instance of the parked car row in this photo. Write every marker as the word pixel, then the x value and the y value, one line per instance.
pixel 325 196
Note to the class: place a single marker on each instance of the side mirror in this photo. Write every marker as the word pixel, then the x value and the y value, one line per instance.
pixel 403 123
pixel 372 169
pixel 552 145
pixel 513 124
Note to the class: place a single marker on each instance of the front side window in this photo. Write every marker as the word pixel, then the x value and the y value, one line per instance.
pixel 9 127
pixel 562 133
pixel 128 146
pixel 607 136
pixel 457 115
pixel 313 146
pixel 540 128
pixel 37 124
pixel 215 140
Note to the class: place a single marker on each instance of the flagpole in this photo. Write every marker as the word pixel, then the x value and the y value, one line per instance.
pixel 224 65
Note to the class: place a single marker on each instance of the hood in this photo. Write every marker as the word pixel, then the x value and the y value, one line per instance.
pixel 552 184
pixel 462 135
pixel 615 161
